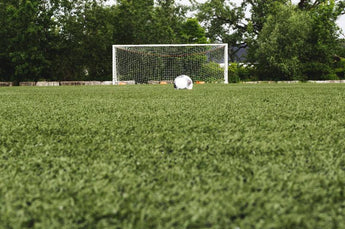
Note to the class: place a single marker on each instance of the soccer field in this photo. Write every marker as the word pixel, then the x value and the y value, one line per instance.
pixel 148 156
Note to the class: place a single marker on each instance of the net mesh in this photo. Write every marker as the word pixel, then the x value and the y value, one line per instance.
pixel 145 64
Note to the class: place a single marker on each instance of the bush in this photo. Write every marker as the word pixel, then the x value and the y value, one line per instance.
pixel 340 72
pixel 340 68
pixel 238 72
pixel 233 73
pixel 318 71
pixel 211 72
pixel 246 73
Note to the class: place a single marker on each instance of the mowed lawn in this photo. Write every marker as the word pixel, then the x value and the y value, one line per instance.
pixel 148 156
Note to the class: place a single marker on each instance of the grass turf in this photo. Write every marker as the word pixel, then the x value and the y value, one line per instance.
pixel 147 156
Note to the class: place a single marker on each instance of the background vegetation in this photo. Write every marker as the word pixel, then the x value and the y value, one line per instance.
pixel 71 39
pixel 146 156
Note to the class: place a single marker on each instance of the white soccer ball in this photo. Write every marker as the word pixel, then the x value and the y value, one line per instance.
pixel 183 82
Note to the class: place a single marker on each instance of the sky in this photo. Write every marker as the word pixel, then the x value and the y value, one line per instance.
pixel 340 21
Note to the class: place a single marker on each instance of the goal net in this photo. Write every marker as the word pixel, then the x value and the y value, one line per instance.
pixel 162 63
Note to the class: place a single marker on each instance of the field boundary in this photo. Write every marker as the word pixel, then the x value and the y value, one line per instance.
pixel 294 81
pixel 56 83
pixel 84 83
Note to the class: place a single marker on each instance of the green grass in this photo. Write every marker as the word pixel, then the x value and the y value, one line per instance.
pixel 218 156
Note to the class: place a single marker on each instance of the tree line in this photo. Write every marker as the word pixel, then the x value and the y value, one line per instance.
pixel 72 39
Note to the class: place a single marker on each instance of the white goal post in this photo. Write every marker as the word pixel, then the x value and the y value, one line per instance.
pixel 164 62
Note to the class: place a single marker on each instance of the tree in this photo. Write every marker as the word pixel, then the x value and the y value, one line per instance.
pixel 83 37
pixel 97 42
pixel 323 40
pixel 6 68
pixel 281 44
pixel 341 48
pixel 25 39
pixel 168 21
pixel 38 41
pixel 312 4
pixel 133 21
pixel 162 21
pixel 226 22
pixel 299 44
pixel 192 32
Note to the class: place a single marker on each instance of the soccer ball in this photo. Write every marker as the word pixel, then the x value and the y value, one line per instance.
pixel 183 82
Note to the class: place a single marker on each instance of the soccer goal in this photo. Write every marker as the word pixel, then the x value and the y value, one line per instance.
pixel 162 63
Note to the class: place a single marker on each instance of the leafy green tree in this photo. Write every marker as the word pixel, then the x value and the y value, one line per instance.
pixel 133 21
pixel 312 4
pixel 85 35
pixel 71 39
pixel 168 20
pixel 192 32
pixel 281 44
pixel 323 42
pixel 140 22
pixel 97 42
pixel 226 22
pixel 25 40
pixel 55 40
pixel 6 32
pixel 299 44
pixel 341 48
